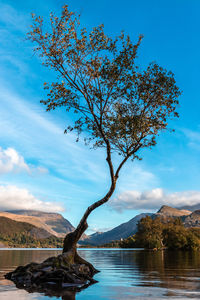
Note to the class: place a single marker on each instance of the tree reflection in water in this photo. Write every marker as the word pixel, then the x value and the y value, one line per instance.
pixel 69 296
pixel 169 269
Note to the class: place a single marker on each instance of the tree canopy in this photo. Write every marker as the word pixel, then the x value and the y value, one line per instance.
pixel 119 106
pixel 159 233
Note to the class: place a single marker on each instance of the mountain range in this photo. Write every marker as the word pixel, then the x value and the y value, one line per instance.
pixel 43 225
pixel 53 223
pixel 122 231
pixel 189 218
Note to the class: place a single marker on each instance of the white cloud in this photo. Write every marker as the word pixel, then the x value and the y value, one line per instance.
pixel 50 138
pixel 13 198
pixel 153 199
pixel 12 161
pixel 94 229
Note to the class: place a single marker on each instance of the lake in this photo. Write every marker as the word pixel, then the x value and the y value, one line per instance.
pixel 125 274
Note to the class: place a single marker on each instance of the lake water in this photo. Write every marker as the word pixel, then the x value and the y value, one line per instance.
pixel 125 274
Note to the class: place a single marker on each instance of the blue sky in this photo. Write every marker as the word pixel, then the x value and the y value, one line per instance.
pixel 41 168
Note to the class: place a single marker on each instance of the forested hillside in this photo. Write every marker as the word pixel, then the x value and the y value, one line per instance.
pixel 25 235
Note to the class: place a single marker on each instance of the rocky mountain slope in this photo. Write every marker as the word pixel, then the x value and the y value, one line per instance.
pixel 169 211
pixel 192 220
pixel 53 223
pixel 120 232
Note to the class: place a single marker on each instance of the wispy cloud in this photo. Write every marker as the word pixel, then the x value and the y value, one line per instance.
pixel 14 198
pixel 12 162
pixel 153 199
pixel 193 137
pixel 136 176
pixel 10 17
pixel 54 147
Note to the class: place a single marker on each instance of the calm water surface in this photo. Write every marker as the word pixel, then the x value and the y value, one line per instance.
pixel 125 274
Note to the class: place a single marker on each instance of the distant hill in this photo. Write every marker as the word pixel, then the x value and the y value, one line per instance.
pixel 10 227
pixel 167 212
pixel 22 234
pixel 53 223
pixel 120 232
pixel 172 212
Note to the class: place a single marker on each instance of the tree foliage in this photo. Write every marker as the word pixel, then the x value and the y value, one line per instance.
pixel 98 79
pixel 150 233
pixel 153 233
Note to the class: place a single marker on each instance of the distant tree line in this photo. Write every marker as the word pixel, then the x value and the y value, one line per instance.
pixel 155 234
pixel 25 240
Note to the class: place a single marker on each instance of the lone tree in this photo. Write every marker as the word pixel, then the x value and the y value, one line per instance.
pixel 118 106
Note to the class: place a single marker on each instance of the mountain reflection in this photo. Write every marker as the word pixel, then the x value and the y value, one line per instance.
pixel 166 269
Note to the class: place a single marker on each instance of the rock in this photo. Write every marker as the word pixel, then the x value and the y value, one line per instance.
pixel 84 269
pixel 47 269
pixel 54 273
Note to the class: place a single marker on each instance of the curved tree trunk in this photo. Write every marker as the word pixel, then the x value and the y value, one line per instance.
pixel 71 239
